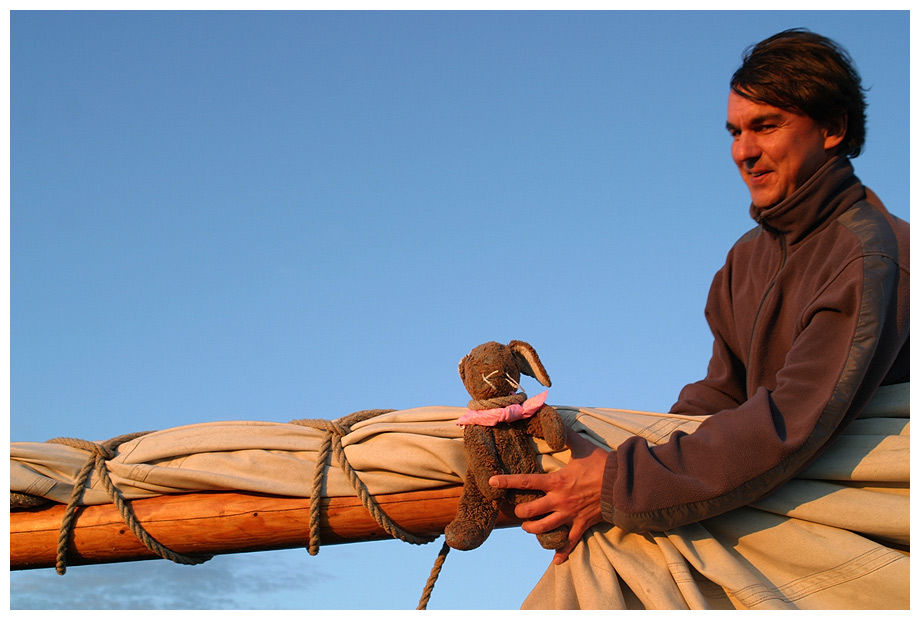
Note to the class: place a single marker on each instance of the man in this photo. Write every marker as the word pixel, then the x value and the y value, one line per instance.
pixel 810 314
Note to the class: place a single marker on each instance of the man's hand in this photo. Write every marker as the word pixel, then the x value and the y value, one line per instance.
pixel 572 494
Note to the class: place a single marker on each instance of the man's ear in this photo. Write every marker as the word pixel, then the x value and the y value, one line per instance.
pixel 834 133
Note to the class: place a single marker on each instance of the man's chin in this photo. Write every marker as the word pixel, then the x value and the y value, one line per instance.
pixel 762 201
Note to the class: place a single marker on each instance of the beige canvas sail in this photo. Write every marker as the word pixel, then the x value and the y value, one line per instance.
pixel 836 537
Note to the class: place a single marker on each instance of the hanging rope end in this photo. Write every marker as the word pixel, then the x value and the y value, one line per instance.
pixel 433 577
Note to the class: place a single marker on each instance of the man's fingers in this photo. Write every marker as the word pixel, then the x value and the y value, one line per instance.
pixel 534 508
pixel 518 481
pixel 544 524
pixel 562 555
pixel 575 534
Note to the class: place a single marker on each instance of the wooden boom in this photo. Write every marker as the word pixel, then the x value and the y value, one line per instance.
pixel 220 523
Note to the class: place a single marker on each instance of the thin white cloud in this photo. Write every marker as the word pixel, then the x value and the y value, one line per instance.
pixel 262 581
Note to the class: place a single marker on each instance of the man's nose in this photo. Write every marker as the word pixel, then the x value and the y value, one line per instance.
pixel 745 149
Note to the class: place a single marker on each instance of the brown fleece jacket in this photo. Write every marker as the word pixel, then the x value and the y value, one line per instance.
pixel 810 315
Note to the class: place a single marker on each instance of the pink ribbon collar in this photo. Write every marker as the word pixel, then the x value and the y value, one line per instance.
pixel 491 417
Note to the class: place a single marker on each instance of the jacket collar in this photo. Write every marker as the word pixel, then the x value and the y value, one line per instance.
pixel 833 189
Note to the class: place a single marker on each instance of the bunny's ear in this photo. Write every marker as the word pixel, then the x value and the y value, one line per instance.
pixel 461 367
pixel 529 362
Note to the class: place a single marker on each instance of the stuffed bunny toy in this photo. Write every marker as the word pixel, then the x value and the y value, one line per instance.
pixel 497 432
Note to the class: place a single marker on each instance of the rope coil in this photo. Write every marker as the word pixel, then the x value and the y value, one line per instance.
pixel 331 451
pixel 99 454
pixel 332 445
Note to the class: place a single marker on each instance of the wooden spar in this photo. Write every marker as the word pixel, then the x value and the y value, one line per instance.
pixel 221 523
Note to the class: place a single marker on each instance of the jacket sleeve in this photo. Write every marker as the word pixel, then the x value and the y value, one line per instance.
pixel 724 385
pixel 747 449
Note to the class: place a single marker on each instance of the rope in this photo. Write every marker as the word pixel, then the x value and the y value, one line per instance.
pixel 433 577
pixel 476 405
pixel 99 454
pixel 330 450
pixel 498 401
pixel 332 445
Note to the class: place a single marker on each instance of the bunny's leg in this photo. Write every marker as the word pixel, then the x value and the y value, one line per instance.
pixel 475 519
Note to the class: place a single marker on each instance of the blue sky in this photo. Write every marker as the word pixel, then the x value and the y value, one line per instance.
pixel 270 216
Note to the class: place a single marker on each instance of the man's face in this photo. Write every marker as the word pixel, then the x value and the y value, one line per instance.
pixel 776 150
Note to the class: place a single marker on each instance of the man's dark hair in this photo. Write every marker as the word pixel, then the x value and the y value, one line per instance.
pixel 801 71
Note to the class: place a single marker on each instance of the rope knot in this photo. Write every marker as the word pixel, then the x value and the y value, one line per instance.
pixel 337 428
pixel 99 454
pixel 331 451
pixel 102 450
pixel 333 428
pixel 95 449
